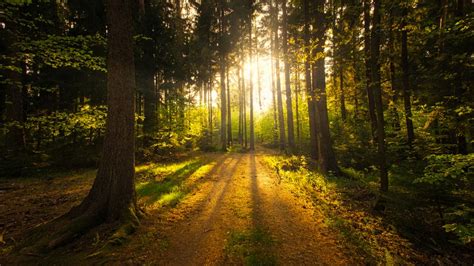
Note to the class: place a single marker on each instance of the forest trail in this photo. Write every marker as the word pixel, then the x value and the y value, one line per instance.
pixel 239 214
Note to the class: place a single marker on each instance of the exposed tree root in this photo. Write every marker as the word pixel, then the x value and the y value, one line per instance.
pixel 65 229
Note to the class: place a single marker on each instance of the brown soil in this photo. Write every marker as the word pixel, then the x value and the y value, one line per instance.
pixel 239 195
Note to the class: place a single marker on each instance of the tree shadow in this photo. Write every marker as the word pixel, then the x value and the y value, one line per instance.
pixel 169 188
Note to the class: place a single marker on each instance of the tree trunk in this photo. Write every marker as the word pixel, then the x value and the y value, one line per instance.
pixel 368 76
pixel 297 106
pixel 309 87
pixel 393 82
pixel 223 100
pixel 149 91
pixel 252 134
pixel 229 110
pixel 281 118
pixel 405 83
pixel 241 109
pixel 377 90
pixel 112 196
pixel 326 158
pixel 343 96
pixel 289 103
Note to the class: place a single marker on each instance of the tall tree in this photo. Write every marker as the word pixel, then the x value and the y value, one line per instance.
pixel 309 84
pixel 405 81
pixel 112 197
pixel 368 71
pixel 326 158
pixel 252 128
pixel 289 101
pixel 147 67
pixel 377 93
pixel 281 118
pixel 222 65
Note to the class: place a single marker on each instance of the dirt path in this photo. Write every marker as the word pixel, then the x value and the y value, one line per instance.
pixel 239 214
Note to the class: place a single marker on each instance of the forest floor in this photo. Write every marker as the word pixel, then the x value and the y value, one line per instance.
pixel 213 209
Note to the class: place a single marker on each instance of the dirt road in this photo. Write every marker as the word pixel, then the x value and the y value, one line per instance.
pixel 239 214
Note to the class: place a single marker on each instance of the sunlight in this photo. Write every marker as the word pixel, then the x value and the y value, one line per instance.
pixel 260 68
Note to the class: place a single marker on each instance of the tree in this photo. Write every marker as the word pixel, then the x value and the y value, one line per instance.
pixel 223 63
pixel 112 197
pixel 405 82
pixel 251 120
pixel 309 84
pixel 289 105
pixel 326 158
pixel 368 76
pixel 281 118
pixel 377 93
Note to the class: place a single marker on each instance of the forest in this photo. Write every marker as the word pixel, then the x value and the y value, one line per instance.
pixel 236 132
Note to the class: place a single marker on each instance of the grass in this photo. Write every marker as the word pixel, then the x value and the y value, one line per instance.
pixel 165 185
pixel 335 197
pixel 251 247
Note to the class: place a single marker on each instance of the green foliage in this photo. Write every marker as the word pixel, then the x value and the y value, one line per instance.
pixel 295 170
pixel 449 172
pixel 461 223
pixel 66 51
pixel 447 177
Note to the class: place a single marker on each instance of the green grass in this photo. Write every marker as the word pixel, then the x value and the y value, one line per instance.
pixel 167 190
pixel 251 247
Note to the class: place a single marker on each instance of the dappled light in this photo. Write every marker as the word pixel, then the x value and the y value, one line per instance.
pixel 243 132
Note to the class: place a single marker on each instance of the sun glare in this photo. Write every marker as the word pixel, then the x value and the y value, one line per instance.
pixel 262 82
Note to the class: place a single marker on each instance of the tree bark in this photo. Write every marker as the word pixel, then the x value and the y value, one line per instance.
pixel 112 197
pixel 309 85
pixel 223 100
pixel 289 103
pixel 377 90
pixel 229 110
pixel 252 128
pixel 149 91
pixel 368 71
pixel 281 118
pixel 405 83
pixel 326 158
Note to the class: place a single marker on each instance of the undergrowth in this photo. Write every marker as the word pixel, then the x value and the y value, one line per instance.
pixel 365 234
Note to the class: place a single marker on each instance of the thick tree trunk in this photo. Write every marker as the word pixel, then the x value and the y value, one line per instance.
pixel 112 197
pixel 326 158
pixel 377 90
pixel 289 103
pixel 113 192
